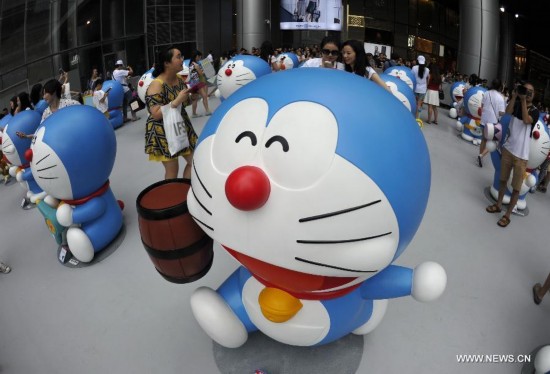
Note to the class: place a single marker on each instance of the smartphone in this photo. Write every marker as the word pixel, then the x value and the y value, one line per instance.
pixel 108 89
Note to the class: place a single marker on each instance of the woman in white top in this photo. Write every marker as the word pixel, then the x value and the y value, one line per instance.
pixel 52 95
pixel 355 61
pixel 421 73
pixel 330 51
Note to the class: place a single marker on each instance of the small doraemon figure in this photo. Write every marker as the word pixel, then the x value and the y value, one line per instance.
pixel 238 72
pixel 469 123
pixel 403 73
pixel 143 84
pixel 116 97
pixel 539 147
pixel 287 60
pixel 296 188
pixel 457 94
pixel 72 157
pixel 401 91
pixel 15 150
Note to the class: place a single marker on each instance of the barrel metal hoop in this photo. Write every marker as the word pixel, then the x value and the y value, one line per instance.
pixel 177 253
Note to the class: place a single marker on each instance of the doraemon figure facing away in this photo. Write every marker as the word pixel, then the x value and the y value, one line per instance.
pixel 116 98
pixel 15 149
pixel 239 71
pixel 469 123
pixel 72 157
pixel 298 189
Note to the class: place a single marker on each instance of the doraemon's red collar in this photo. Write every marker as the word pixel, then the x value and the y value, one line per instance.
pixel 81 201
pixel 300 285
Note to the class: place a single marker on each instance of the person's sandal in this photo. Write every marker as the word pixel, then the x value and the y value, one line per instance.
pixel 493 209
pixel 536 298
pixel 503 221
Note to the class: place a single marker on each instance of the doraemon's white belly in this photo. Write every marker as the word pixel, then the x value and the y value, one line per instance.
pixel 308 327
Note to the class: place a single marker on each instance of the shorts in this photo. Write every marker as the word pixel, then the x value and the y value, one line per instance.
pixel 197 87
pixel 420 96
pixel 508 163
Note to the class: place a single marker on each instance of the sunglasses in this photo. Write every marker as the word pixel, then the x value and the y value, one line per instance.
pixel 333 52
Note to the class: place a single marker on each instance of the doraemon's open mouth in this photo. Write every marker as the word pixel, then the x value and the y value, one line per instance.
pixel 303 285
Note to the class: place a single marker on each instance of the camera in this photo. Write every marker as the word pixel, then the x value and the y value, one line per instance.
pixel 521 90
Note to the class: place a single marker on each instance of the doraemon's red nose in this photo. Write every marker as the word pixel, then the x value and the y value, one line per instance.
pixel 28 155
pixel 536 134
pixel 228 72
pixel 140 83
pixel 247 188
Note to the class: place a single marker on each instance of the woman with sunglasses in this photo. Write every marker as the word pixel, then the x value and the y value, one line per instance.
pixel 330 51
pixel 356 62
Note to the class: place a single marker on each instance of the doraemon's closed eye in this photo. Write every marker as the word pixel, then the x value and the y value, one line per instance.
pixel 295 149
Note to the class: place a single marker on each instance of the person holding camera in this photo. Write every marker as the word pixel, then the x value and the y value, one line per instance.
pixel 515 152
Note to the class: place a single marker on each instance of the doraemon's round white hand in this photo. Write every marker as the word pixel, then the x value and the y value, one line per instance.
pixel 542 360
pixel 429 281
pixel 531 180
pixel 459 126
pixel 13 170
pixel 51 201
pixel 38 196
pixel 65 215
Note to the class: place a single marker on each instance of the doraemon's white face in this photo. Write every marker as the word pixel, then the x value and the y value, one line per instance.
pixel 9 150
pixel 539 146
pixel 403 76
pixel 232 76
pixel 280 199
pixel 474 104
pixel 48 169
pixel 458 92
pixel 143 85
pixel 285 62
pixel 398 94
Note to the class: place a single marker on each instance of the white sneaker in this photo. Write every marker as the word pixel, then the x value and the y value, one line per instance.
pixel 4 268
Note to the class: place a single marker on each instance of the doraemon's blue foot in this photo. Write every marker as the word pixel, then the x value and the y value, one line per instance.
pixel 217 319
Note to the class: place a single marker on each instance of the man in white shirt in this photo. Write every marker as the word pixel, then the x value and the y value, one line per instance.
pixel 121 74
pixel 515 152
pixel 101 98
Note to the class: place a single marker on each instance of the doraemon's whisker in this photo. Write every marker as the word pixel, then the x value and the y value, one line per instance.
pixel 546 142
pixel 326 215
pixel 43 158
pixel 49 167
pixel 333 267
pixel 544 153
pixel 198 201
pixel 242 75
pixel 240 80
pixel 202 223
pixel 48 177
pixel 200 181
pixel 341 241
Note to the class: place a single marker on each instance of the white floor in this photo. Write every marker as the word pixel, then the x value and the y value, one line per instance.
pixel 120 316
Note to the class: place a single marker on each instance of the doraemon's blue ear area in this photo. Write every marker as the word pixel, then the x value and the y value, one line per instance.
pixel 26 122
pixel 370 129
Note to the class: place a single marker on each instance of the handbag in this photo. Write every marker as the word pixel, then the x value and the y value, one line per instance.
pixel 441 94
pixel 174 128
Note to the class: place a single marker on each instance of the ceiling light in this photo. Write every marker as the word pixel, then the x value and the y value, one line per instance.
pixel 517 15
pixel 502 9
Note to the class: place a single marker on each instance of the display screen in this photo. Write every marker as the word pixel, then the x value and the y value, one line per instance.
pixel 311 15
pixel 376 49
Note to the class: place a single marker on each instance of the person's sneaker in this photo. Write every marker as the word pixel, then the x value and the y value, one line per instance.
pixel 4 268
pixel 195 115
pixel 479 163
pixel 208 113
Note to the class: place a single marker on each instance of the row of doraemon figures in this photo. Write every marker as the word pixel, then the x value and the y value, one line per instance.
pixel 65 169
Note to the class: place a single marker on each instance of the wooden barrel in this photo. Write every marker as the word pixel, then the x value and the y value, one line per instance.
pixel 179 249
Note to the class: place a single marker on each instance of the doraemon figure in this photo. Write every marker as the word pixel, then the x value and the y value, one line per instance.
pixel 469 123
pixel 239 71
pixel 296 188
pixel 539 147
pixel 72 156
pixel 15 150
pixel 403 73
pixel 143 84
pixel 116 97
pixel 287 60
pixel 457 94
pixel 401 91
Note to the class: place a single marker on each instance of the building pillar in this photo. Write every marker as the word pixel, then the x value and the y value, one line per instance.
pixel 253 23
pixel 478 47
pixel 507 49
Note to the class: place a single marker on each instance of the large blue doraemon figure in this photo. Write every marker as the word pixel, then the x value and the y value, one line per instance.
pixel 298 189
pixel 238 72
pixel 470 123
pixel 15 149
pixel 539 147
pixel 72 157
pixel 116 97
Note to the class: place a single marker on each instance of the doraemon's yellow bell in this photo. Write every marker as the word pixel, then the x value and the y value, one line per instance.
pixel 277 305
